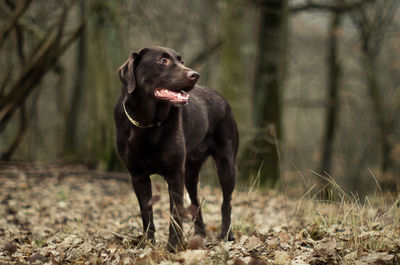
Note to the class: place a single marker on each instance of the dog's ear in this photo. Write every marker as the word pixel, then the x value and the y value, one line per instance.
pixel 126 73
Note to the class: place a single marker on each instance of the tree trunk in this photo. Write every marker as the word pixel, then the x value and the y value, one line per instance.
pixel 332 104
pixel 263 152
pixel 102 53
pixel 372 32
pixel 232 75
pixel 71 141
pixel 385 125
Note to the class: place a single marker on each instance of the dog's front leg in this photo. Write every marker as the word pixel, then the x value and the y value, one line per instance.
pixel 142 186
pixel 177 210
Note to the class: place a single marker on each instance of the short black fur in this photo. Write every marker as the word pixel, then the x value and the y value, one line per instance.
pixel 179 140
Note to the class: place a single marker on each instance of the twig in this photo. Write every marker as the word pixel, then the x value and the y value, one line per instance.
pixel 203 55
pixel 123 236
pixel 12 22
pixel 340 7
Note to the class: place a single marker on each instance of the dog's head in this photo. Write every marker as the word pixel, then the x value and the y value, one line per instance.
pixel 160 73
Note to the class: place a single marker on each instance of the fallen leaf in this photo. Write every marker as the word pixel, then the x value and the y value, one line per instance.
pixel 380 258
pixel 257 261
pixel 325 252
pixel 239 261
pixel 281 257
pixel 284 236
pixel 252 242
pixel 192 257
pixel 195 243
pixel 10 247
pixel 35 257
pixel 72 240
pixel 86 247
pixel 153 200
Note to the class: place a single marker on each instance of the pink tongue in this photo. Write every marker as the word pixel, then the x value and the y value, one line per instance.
pixel 175 97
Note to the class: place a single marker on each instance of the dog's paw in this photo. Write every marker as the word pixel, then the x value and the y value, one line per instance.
pixel 175 244
pixel 175 247
pixel 228 237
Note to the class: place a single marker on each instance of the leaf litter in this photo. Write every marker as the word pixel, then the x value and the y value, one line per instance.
pixel 76 219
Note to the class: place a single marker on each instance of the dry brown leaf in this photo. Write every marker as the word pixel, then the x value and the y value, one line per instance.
pixel 252 242
pixel 272 243
pixel 72 240
pixel 70 221
pixel 192 257
pixel 381 258
pixel 36 257
pixel 281 257
pixel 257 261
pixel 86 247
pixel 239 261
pixel 325 252
pixel 10 248
pixel 213 228
pixel 284 237
pixel 153 200
pixel 195 243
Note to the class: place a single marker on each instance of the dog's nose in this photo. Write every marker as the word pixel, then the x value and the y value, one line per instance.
pixel 193 75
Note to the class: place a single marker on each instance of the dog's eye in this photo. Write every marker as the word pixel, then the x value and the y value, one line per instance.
pixel 182 62
pixel 179 58
pixel 163 61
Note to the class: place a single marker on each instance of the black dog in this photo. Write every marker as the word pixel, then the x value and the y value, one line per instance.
pixel 167 125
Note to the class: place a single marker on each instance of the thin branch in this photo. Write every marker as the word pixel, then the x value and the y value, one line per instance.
pixel 4 83
pixel 382 27
pixel 19 36
pixel 42 61
pixel 204 54
pixel 20 45
pixel 12 21
pixel 23 125
pixel 306 104
pixel 339 7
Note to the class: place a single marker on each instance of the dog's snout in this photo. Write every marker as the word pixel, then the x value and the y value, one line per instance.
pixel 193 75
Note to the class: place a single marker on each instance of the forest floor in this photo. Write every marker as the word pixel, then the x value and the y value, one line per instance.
pixel 55 218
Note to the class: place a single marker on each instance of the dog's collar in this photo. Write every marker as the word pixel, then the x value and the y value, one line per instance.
pixel 138 124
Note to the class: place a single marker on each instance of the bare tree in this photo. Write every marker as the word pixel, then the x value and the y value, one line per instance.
pixel 262 153
pixel 71 143
pixel 42 58
pixel 372 24
pixel 332 102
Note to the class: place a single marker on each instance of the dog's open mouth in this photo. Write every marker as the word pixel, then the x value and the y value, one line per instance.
pixel 179 98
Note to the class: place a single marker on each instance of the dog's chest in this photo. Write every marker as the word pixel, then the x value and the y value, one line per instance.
pixel 154 152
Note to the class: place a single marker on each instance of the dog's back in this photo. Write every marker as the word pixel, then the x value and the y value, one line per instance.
pixel 207 113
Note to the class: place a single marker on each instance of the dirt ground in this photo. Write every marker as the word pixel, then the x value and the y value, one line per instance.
pixel 86 218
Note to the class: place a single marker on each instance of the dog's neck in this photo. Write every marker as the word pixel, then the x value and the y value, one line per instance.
pixel 146 110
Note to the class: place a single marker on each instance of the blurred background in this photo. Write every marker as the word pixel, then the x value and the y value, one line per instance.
pixel 314 85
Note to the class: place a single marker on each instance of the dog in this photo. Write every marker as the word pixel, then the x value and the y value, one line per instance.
pixel 166 124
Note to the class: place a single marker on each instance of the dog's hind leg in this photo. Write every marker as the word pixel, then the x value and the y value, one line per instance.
pixel 225 161
pixel 226 140
pixel 191 183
